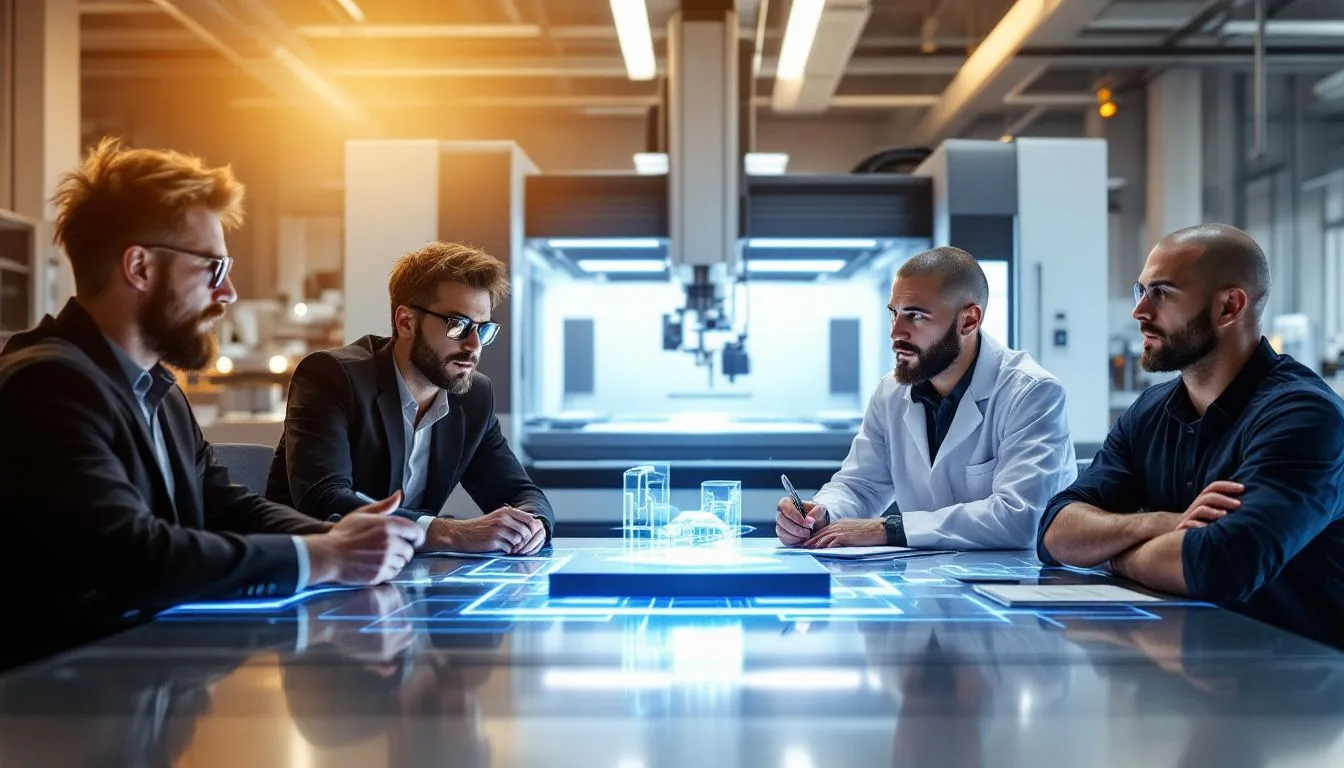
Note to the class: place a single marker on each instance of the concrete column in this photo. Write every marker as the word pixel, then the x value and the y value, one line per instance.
pixel 1175 153
pixel 44 110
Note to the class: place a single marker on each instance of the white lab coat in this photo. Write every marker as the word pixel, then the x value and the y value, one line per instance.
pixel 1007 452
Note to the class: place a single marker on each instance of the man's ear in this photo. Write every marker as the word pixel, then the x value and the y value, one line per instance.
pixel 971 319
pixel 136 267
pixel 1231 305
pixel 404 322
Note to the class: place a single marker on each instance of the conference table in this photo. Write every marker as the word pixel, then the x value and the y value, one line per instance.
pixel 468 661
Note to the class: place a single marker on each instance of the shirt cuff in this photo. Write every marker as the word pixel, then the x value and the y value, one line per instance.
pixel 301 551
pixel 423 521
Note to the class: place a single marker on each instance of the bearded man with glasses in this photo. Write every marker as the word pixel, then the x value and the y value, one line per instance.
pixel 412 414
pixel 113 499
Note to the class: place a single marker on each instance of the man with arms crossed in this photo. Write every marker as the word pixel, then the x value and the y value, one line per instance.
pixel 115 505
pixel 1226 484
pixel 969 439
pixel 412 413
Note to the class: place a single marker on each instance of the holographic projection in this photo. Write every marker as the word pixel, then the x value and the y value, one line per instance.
pixel 669 553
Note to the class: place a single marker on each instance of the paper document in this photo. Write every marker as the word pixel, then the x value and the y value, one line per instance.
pixel 1062 594
pixel 859 553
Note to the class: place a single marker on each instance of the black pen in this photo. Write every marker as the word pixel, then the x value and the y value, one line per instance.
pixel 793 494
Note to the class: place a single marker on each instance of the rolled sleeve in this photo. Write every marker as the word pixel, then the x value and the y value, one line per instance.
pixel 1293 473
pixel 1112 481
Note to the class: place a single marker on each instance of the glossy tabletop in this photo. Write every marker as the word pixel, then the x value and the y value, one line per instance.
pixel 467 662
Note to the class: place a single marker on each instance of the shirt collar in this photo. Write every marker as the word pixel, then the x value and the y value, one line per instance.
pixel 1234 398
pixel 409 407
pixel 924 392
pixel 150 386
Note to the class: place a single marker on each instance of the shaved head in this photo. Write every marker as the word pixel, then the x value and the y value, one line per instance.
pixel 957 272
pixel 1226 257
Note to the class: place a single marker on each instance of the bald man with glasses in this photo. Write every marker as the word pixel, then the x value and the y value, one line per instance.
pixel 411 413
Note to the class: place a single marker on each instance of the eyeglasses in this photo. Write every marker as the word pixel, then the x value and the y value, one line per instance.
pixel 222 264
pixel 459 326
pixel 1156 294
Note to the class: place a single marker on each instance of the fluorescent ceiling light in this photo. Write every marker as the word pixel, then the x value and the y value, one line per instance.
pixel 795 265
pixel 622 265
pixel 819 242
pixel 766 163
pixel 804 18
pixel 652 163
pixel 604 242
pixel 352 8
pixel 1318 28
pixel 632 30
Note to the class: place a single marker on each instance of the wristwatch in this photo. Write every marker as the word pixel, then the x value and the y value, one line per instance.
pixel 895 529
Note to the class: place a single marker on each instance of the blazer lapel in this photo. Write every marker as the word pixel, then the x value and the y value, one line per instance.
pixel 76 326
pixel 389 408
pixel 177 432
pixel 445 457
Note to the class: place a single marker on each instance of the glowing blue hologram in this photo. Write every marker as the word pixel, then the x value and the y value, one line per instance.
pixel 646 499
pixel 244 606
pixel 722 501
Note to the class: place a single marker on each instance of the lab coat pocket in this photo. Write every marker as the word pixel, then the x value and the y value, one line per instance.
pixel 980 478
pixel 982 469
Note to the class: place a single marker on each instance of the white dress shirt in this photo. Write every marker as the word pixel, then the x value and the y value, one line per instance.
pixel 418 442
pixel 1007 452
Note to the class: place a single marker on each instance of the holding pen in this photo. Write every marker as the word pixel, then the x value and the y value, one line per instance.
pixel 797 521
pixel 363 497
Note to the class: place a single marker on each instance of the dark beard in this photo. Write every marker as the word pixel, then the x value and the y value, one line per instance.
pixel 177 338
pixel 435 369
pixel 1182 348
pixel 929 362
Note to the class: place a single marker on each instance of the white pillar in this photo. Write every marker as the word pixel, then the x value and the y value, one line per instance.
pixel 1175 153
pixel 45 105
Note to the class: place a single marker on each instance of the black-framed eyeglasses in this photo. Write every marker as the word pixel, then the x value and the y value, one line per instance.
pixel 1156 294
pixel 459 326
pixel 221 264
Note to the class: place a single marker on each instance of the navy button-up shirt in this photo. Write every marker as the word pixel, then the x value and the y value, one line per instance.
pixel 1278 430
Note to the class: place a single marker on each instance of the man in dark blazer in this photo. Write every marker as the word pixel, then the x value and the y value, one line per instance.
pixel 412 414
pixel 114 505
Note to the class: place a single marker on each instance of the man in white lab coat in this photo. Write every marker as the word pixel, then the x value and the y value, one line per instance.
pixel 963 442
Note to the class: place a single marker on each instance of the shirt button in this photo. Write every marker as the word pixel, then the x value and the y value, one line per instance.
pixel 1189 485
pixel 1190 430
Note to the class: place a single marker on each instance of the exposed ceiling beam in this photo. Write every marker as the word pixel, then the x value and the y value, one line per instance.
pixel 118 8
pixel 423 31
pixel 286 66
pixel 994 68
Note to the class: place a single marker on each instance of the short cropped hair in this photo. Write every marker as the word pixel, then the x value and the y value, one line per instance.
pixel 958 273
pixel 1229 257
pixel 416 276
pixel 121 197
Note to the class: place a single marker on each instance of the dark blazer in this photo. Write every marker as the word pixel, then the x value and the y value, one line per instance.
pixel 344 432
pixel 89 525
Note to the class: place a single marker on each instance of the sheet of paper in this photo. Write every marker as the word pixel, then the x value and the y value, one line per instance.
pixel 856 553
pixel 1039 594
